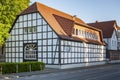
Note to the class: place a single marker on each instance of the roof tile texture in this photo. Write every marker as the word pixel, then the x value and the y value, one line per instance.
pixel 107 27
pixel 60 22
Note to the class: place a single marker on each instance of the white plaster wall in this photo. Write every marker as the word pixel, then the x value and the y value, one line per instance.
pixel 111 42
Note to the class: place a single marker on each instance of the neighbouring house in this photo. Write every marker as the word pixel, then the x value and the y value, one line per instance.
pixel 118 35
pixel 41 33
pixel 111 35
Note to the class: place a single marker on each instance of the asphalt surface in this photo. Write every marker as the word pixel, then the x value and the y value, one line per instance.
pixel 104 72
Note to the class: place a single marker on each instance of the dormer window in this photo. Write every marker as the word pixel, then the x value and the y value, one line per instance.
pixel 85 34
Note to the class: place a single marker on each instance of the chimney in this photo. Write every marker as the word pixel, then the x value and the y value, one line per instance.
pixel 74 16
pixel 96 21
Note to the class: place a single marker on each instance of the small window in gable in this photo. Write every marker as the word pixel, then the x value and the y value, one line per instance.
pixel 32 29
pixel 35 29
pixel 25 30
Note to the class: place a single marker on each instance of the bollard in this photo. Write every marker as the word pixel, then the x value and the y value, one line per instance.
pixel 40 67
pixel 30 67
pixel 17 68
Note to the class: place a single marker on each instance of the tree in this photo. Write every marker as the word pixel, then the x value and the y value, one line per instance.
pixel 8 11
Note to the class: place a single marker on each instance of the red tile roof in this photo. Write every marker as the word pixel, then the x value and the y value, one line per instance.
pixel 65 23
pixel 60 22
pixel 107 27
pixel 118 27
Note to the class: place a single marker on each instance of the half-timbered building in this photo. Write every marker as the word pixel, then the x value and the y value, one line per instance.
pixel 41 33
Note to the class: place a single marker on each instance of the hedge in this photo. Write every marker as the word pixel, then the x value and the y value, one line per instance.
pixel 6 68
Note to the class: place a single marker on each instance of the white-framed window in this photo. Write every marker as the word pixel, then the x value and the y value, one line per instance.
pixel 32 29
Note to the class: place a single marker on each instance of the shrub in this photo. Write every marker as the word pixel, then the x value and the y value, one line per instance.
pixel 21 67
pixel 37 66
pixel 8 68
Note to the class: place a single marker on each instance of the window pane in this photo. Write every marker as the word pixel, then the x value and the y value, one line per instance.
pixel 35 29
pixel 25 30
pixel 30 29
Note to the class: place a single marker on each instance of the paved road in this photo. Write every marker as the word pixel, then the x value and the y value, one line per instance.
pixel 111 72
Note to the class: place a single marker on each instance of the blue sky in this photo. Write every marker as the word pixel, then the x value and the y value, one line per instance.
pixel 87 10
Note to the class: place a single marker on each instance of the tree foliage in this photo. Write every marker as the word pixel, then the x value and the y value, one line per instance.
pixel 8 11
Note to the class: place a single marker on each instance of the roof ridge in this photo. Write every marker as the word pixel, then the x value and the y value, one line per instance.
pixel 26 11
pixel 54 9
pixel 36 5
pixel 61 26
pixel 102 21
pixel 60 11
